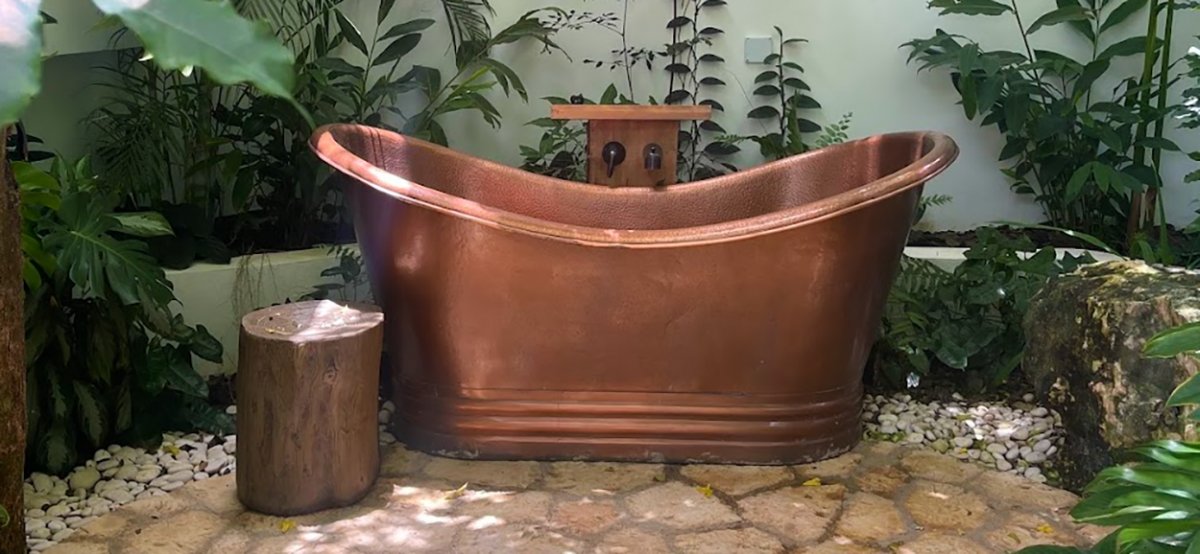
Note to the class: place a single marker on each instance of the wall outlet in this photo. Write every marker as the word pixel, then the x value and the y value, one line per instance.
pixel 758 48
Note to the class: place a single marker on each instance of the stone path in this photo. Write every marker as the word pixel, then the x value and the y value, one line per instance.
pixel 879 498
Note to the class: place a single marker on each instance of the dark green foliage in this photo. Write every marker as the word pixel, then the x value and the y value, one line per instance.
pixel 785 95
pixel 107 361
pixel 1087 157
pixel 969 320
pixel 693 70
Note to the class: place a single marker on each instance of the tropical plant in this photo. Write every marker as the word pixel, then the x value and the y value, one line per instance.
pixel 702 145
pixel 1090 160
pixel 1153 500
pixel 477 73
pixel 786 96
pixel 968 320
pixel 106 358
pixel 1189 111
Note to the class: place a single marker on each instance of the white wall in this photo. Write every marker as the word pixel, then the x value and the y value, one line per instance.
pixel 853 62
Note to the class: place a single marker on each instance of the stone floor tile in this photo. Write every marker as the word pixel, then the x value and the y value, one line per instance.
pixel 397 461
pixel 526 539
pixel 1006 489
pixel 679 506
pixel 836 545
pixel 938 467
pixel 941 543
pixel 883 481
pixel 184 533
pixel 1025 529
pixel 837 469
pixel 868 518
pixel 729 541
pixel 602 478
pixel 943 506
pixel 515 475
pixel 737 480
pixel 218 496
pixel 800 513
pixel 585 517
pixel 632 541
pixel 79 548
pixel 502 507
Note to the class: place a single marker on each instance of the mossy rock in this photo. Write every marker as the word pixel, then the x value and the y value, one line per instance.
pixel 1083 355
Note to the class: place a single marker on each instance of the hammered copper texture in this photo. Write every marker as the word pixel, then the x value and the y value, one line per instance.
pixel 727 320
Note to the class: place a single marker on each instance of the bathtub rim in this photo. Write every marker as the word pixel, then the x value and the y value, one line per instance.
pixel 941 154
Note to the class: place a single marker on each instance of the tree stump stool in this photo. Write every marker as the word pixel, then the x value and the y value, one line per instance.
pixel 307 405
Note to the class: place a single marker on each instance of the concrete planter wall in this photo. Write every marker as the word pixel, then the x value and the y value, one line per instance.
pixel 949 258
pixel 217 296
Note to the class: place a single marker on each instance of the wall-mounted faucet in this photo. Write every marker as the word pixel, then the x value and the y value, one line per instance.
pixel 613 154
pixel 654 157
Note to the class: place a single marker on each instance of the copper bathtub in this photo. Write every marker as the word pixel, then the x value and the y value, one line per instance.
pixel 724 321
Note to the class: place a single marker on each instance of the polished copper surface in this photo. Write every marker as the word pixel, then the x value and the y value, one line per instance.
pixel 727 320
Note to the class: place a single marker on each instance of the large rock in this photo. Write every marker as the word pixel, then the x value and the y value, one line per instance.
pixel 1085 333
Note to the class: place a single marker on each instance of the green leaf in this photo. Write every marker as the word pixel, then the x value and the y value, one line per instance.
pixel 1121 13
pixel 1091 72
pixel 350 32
pixel 20 57
pixel 385 8
pixel 1060 15
pixel 55 452
pixel 143 224
pixel 398 49
pixel 1129 47
pixel 92 413
pixel 181 376
pixel 1184 339
pixel 97 262
pixel 407 28
pixel 763 112
pixel 1157 143
pixel 1078 180
pixel 969 7
pixel 210 35
pixel 206 346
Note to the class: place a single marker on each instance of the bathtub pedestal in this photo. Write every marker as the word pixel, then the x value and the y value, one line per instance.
pixel 634 427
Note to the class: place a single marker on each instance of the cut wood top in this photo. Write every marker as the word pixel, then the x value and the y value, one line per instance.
pixel 630 112
pixel 310 321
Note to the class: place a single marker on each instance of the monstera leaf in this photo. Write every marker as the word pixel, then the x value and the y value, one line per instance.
pixel 89 254
pixel 179 34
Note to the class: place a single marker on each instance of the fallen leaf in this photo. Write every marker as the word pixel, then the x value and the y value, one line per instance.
pixel 814 482
pixel 286 525
pixel 170 448
pixel 1044 529
pixel 706 490
pixel 457 492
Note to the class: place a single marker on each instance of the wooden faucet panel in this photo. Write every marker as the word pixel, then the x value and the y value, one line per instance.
pixel 632 145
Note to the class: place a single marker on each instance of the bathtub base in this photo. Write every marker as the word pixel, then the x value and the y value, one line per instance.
pixel 633 427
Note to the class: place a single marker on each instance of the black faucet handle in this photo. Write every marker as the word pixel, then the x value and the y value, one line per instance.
pixel 612 154
pixel 654 157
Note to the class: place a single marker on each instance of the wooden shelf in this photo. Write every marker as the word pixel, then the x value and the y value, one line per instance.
pixel 606 112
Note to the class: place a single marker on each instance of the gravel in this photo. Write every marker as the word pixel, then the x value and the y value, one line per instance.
pixel 1019 438
pixel 55 507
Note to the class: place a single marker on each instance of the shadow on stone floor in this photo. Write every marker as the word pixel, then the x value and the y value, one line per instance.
pixel 880 497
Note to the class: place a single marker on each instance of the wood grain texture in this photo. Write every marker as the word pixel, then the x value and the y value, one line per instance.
pixel 308 385
pixel 12 362
pixel 630 112
pixel 635 136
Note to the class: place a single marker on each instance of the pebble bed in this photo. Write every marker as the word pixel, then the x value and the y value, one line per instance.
pixel 1019 439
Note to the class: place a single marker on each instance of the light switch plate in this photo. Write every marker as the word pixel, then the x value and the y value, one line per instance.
pixel 758 48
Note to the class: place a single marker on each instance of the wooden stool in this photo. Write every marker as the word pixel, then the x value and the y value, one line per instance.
pixel 307 405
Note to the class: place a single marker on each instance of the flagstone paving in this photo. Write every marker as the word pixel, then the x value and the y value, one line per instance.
pixel 879 498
